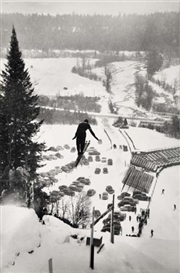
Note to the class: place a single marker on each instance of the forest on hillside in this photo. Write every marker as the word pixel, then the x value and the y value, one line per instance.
pixel 132 32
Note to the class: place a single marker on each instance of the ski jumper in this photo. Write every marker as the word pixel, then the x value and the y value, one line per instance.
pixel 81 136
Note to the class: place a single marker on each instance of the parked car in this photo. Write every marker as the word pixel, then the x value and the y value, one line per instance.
pixel 109 189
pixel 97 213
pixel 66 146
pixel 97 171
pixel 97 158
pixel 122 195
pixel 141 197
pixel 91 192
pixel 110 162
pixel 128 208
pixel 105 170
pixel 80 178
pixel 104 196
pixel 62 187
pixel 117 228
pixel 87 181
pixel 103 160
pixel 90 159
pixel 73 149
pixel 72 187
pixel 69 192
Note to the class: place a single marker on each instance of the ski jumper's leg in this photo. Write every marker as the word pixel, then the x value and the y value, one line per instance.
pixel 83 138
pixel 78 145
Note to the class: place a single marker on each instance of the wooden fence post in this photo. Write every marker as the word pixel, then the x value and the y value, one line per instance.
pixel 50 266
pixel 92 243
pixel 112 222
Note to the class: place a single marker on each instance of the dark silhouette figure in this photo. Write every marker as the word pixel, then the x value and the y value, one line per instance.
pixel 162 191
pixel 81 135
pixel 129 218
pixel 174 207
pixel 152 232
pixel 132 228
pixel 148 213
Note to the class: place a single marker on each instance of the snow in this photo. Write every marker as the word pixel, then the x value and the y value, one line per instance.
pixel 18 227
pixel 27 244
pixel 50 76
pixel 169 75
pixel 146 139
pixel 21 231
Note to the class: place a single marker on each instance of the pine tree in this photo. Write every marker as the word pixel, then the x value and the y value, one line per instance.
pixel 154 62
pixel 18 113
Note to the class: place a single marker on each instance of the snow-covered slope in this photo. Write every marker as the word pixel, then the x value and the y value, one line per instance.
pixel 53 241
pixel 27 245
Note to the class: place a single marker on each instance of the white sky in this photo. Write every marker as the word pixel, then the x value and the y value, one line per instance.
pixel 88 7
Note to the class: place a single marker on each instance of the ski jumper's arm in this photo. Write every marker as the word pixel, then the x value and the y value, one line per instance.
pixel 75 133
pixel 74 136
pixel 92 133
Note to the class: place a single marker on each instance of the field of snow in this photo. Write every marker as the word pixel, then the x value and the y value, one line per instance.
pixel 50 75
pixel 169 75
pixel 146 139
pixel 27 245
pixel 123 82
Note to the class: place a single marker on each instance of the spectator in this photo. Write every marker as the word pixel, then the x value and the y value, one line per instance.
pixel 152 232
pixel 174 207
pixel 132 228
pixel 148 212
pixel 114 146
pixel 162 191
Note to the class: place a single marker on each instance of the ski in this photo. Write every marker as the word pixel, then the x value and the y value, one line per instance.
pixel 80 156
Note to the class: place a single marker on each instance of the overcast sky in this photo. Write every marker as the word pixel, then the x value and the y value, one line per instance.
pixel 88 7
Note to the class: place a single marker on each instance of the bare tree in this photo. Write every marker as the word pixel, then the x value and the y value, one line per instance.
pixel 81 209
pixel 109 72
pixel 64 207
pixel 55 196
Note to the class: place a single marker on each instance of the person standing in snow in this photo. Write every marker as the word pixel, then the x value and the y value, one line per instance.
pixel 152 232
pixel 81 135
pixel 174 207
pixel 162 191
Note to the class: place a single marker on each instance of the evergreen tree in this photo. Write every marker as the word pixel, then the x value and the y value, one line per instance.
pixel 18 112
pixel 154 62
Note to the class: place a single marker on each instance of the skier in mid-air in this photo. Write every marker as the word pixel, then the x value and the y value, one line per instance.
pixel 81 135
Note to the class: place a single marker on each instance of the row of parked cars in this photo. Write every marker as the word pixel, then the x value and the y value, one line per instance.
pixel 118 217
pixel 75 186
pixel 127 203
pixel 98 170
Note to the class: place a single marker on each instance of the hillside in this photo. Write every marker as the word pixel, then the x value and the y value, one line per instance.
pixel 53 77
pixel 28 245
